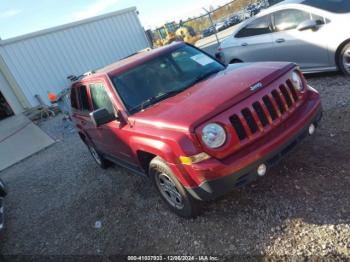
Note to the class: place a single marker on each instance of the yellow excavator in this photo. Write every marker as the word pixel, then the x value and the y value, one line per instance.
pixel 170 33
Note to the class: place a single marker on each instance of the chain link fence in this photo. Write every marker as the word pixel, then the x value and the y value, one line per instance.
pixel 214 20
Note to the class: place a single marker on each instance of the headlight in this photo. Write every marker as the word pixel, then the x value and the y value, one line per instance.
pixel 213 135
pixel 298 82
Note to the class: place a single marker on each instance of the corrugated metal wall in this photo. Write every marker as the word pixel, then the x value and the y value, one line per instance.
pixel 42 62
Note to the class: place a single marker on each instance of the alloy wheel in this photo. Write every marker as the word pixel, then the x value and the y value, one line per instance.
pixel 346 60
pixel 169 191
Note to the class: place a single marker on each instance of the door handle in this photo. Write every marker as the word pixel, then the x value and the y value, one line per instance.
pixel 280 40
pixel 244 44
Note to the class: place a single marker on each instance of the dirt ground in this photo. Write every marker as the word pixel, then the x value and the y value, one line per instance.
pixel 61 203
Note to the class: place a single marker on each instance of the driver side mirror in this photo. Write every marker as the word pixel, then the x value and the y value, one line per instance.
pixel 306 25
pixel 101 116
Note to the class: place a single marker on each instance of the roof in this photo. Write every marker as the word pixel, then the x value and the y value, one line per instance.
pixel 137 59
pixel 66 26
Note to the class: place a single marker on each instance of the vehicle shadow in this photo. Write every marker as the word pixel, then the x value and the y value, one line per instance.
pixel 324 74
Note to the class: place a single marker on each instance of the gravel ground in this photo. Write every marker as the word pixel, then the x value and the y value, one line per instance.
pixel 60 202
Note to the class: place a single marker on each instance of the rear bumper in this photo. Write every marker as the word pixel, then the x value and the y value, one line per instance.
pixel 213 189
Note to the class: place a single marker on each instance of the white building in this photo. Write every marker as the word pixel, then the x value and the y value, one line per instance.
pixel 37 63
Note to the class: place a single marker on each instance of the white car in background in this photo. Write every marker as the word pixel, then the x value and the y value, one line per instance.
pixel 220 26
pixel 312 33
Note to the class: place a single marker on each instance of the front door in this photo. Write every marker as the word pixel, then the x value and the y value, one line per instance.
pixel 111 135
pixel 307 48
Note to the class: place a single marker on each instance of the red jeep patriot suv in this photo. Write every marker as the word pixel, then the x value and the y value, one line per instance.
pixel 197 128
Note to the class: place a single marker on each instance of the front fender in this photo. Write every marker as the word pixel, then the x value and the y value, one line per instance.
pixel 166 152
pixel 153 146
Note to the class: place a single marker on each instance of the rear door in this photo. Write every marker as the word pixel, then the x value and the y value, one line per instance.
pixel 111 136
pixel 307 48
pixel 254 41
pixel 81 108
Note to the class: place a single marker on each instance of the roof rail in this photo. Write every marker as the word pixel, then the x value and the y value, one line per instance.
pixel 74 78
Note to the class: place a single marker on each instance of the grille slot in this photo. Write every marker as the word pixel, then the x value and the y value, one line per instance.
pixel 286 96
pixel 253 119
pixel 236 123
pixel 278 100
pixel 270 107
pixel 260 112
pixel 250 120
pixel 292 90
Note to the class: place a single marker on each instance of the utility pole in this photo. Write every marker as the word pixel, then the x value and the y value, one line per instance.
pixel 212 24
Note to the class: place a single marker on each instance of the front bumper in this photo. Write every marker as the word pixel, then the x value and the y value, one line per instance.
pixel 212 189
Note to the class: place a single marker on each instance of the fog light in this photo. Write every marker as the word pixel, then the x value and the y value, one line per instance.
pixel 262 170
pixel 312 129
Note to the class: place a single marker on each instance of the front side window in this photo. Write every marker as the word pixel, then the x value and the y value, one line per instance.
pixel 259 26
pixel 289 19
pixel 100 98
pixel 334 6
pixel 163 76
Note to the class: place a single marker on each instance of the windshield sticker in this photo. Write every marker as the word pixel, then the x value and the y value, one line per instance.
pixel 202 59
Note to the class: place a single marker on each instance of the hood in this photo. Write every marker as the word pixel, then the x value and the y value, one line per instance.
pixel 210 97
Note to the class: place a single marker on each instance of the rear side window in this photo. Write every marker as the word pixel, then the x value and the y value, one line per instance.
pixel 73 98
pixel 100 98
pixel 289 19
pixel 83 98
pixel 259 26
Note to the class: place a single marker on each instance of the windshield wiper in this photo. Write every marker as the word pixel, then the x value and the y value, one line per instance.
pixel 154 99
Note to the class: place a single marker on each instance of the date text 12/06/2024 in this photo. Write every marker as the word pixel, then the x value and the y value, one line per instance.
pixel 173 258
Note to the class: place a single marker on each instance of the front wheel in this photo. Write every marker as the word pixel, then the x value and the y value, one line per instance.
pixel 171 190
pixel 344 59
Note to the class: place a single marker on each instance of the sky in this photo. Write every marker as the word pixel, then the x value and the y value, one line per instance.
pixel 18 17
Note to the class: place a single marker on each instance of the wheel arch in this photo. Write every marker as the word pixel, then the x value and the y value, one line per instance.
pixel 338 51
pixel 235 60
pixel 144 159
pixel 147 149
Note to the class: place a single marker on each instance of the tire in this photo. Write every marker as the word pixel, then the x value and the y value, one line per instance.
pixel 99 159
pixel 172 192
pixel 344 59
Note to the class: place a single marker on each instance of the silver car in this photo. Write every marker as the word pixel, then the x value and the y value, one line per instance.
pixel 312 33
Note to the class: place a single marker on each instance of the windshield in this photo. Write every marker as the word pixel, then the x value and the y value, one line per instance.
pixel 335 6
pixel 163 77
